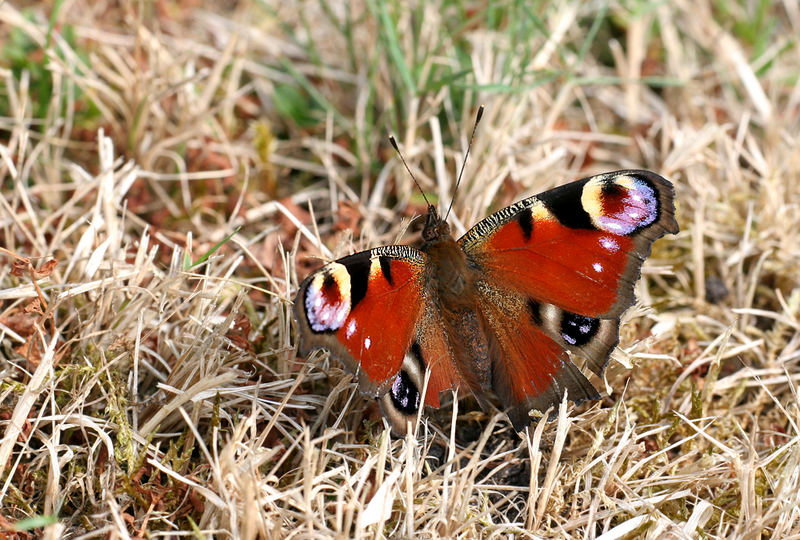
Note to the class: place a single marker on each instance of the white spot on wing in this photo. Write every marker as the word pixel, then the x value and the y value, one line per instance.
pixel 351 328
pixel 597 267
pixel 609 243
pixel 367 343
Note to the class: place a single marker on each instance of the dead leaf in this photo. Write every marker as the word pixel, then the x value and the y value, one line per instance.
pixel 20 267
pixel 46 269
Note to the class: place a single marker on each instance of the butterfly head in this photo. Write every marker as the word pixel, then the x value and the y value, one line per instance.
pixel 435 227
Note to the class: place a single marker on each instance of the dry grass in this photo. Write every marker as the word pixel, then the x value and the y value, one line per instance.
pixel 165 157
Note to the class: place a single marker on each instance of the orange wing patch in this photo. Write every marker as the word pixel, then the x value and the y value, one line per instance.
pixel 379 329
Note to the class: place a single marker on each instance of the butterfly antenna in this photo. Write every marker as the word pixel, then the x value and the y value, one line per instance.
pixel 464 164
pixel 396 149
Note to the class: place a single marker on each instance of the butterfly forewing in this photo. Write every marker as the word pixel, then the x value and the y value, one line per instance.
pixel 580 246
pixel 364 308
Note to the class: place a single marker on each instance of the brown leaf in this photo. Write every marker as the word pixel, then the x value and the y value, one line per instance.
pixel 239 334
pixel 31 350
pixel 197 503
pixel 267 252
pixel 20 267
pixel 299 212
pixel 8 532
pixel 34 306
pixel 20 321
pixel 46 269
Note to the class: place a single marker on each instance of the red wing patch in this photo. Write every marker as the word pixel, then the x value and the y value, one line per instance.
pixel 379 329
pixel 566 267
pixel 436 356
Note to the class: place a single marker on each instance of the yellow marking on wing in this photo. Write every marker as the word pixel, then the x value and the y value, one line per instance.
pixel 592 198
pixel 540 212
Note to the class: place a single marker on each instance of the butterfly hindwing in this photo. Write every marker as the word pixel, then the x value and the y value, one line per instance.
pixel 530 370
pixel 364 309
pixel 430 351
pixel 588 337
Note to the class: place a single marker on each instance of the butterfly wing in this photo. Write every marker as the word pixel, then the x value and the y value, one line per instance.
pixel 556 272
pixel 432 352
pixel 588 337
pixel 364 309
pixel 580 246
pixel 530 370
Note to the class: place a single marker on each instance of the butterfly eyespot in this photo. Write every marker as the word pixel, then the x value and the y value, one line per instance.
pixel 578 330
pixel 327 299
pixel 400 405
pixel 404 394
pixel 620 206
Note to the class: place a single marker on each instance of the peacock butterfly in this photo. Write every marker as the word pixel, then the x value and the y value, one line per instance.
pixel 498 310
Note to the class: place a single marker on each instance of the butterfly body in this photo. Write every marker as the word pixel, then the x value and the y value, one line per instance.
pixel 451 279
pixel 447 272
pixel 495 311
